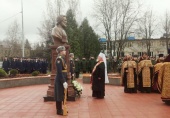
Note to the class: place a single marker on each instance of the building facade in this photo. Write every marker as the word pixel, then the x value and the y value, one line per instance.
pixel 137 46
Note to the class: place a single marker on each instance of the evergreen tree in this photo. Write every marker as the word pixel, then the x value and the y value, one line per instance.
pixel 27 44
pixel 90 45
pixel 73 33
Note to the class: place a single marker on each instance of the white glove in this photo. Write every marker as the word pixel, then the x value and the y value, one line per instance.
pixel 65 85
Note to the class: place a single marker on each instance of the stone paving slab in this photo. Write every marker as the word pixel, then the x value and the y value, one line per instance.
pixel 28 102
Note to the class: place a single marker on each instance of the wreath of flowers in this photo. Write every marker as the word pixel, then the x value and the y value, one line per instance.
pixel 77 87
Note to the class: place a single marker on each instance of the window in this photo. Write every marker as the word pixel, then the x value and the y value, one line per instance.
pixel 129 44
pixel 162 43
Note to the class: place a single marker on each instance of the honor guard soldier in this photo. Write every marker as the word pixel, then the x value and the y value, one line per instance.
pixel 72 65
pixel 60 79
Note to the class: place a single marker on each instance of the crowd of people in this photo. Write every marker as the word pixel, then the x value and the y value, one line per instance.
pixel 146 74
pixel 25 65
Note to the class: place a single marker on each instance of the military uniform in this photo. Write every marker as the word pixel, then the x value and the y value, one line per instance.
pixel 72 65
pixel 59 80
pixel 77 68
pixel 6 65
pixel 84 65
pixel 92 63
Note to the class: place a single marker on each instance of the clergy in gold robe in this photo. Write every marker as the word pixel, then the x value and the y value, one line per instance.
pixel 129 76
pixel 145 70
pixel 164 79
pixel 156 68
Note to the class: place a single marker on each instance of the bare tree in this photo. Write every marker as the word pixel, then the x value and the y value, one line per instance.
pixel 166 28
pixel 54 9
pixel 129 11
pixel 73 5
pixel 118 18
pixel 104 12
pixel 13 40
pixel 147 26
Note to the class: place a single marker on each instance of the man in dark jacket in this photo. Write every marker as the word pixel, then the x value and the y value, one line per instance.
pixel 6 64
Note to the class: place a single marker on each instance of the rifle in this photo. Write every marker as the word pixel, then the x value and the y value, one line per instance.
pixel 65 111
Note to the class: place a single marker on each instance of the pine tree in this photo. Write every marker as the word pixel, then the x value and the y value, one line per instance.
pixel 73 33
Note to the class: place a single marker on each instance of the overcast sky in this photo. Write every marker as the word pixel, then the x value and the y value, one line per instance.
pixel 33 14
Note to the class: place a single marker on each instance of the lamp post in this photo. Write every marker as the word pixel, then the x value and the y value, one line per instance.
pixel 23 55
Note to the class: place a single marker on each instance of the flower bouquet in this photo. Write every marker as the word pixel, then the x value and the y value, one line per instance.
pixel 77 87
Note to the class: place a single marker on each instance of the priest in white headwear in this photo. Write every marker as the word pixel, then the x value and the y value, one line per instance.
pixel 99 77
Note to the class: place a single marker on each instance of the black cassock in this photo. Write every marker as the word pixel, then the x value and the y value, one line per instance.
pixel 98 81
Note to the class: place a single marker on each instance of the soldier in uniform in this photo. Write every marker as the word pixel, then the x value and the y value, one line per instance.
pixel 92 63
pixel 72 65
pixel 14 63
pixel 60 80
pixel 6 64
pixel 84 65
pixel 21 66
pixel 109 63
pixel 28 65
pixel 77 67
pixel 115 64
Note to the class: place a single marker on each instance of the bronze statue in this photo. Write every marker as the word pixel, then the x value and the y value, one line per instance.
pixel 58 33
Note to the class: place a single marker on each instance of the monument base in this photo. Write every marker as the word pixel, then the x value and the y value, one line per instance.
pixel 48 98
pixel 71 98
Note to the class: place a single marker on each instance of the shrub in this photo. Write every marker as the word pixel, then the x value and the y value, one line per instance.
pixel 2 73
pixel 13 72
pixel 35 73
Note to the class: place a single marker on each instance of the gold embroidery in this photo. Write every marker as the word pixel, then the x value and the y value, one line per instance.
pixel 144 66
pixel 165 80
pixel 96 66
pixel 130 76
pixel 146 77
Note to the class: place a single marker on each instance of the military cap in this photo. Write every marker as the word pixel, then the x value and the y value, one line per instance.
pixel 71 54
pixel 60 48
pixel 161 55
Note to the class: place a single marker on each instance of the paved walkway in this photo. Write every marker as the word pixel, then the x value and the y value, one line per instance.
pixel 27 102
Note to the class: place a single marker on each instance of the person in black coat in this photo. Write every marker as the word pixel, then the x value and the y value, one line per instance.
pixel 98 79
pixel 21 66
pixel 60 80
pixel 6 64
pixel 77 67
pixel 72 65
pixel 92 63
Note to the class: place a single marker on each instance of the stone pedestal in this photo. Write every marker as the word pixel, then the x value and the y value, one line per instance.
pixel 50 91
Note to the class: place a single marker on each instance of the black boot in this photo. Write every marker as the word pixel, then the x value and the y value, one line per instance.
pixel 59 112
pixel 59 108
